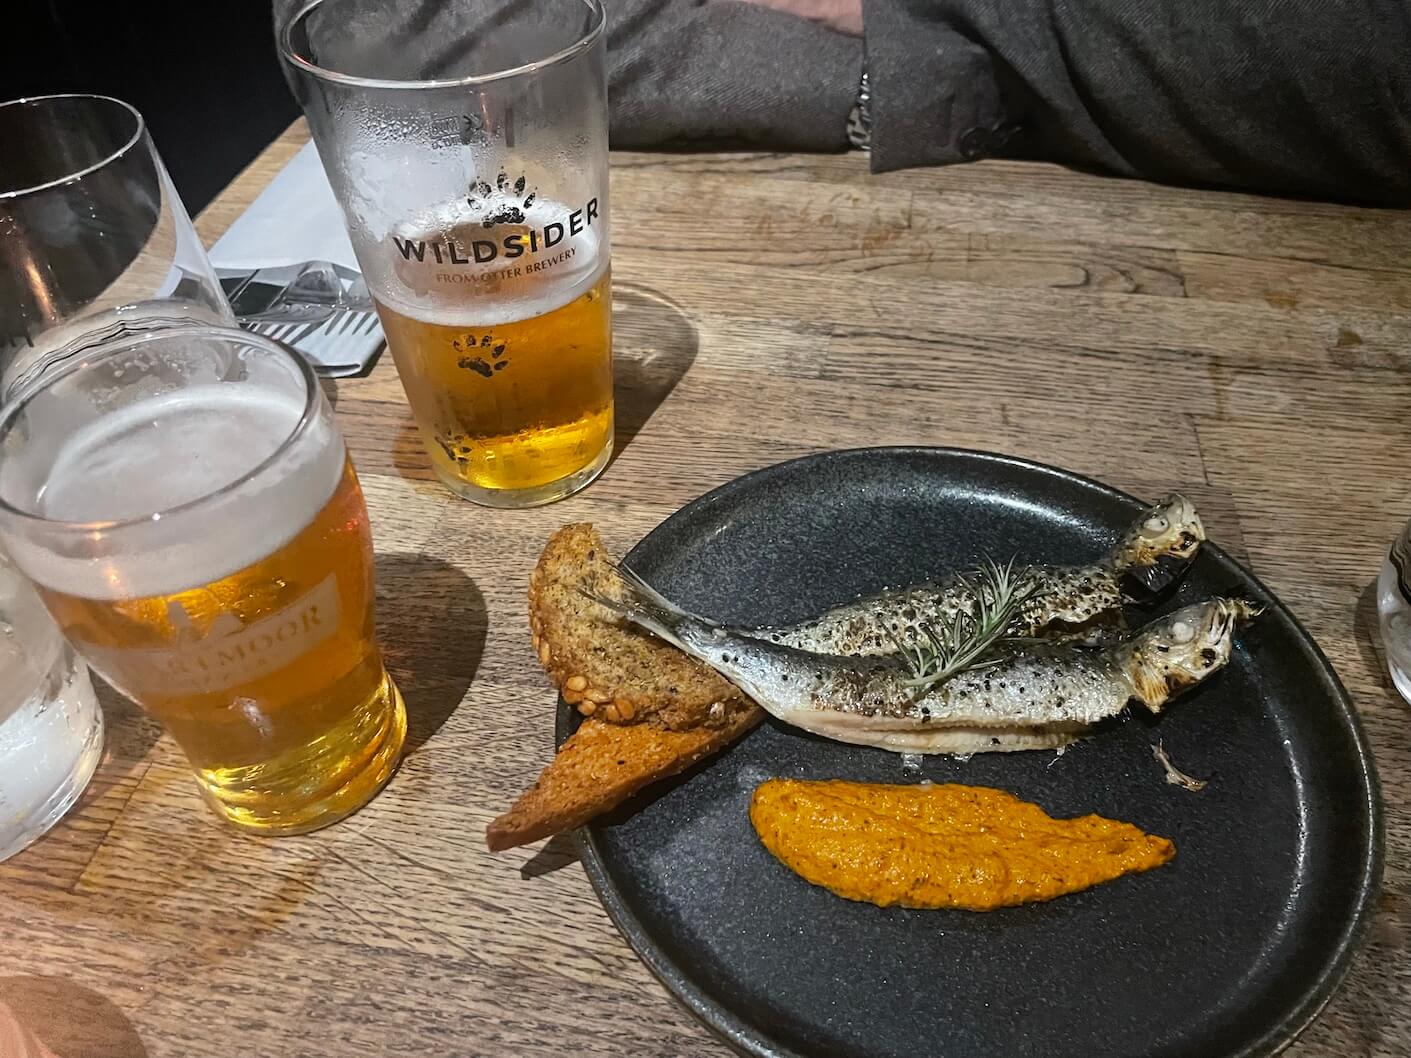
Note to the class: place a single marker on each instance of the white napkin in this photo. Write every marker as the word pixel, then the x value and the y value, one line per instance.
pixel 297 219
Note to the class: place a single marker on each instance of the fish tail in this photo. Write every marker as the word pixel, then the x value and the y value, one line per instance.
pixel 643 605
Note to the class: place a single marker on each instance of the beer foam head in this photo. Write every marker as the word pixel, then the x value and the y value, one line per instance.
pixel 203 478
pixel 164 452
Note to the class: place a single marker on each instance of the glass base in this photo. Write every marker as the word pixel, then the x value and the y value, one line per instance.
pixel 76 713
pixel 294 809
pixel 533 497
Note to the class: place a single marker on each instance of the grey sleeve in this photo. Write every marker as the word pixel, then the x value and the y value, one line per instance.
pixel 1300 96
pixel 685 72
pixel 679 71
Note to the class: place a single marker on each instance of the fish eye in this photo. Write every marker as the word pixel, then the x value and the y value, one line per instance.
pixel 1157 523
pixel 1182 632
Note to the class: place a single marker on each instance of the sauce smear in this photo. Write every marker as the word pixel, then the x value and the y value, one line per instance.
pixel 932 846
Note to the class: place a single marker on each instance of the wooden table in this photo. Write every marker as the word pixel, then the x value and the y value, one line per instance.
pixel 1253 352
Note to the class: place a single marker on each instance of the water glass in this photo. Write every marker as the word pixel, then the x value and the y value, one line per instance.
pixel 94 242
pixel 51 728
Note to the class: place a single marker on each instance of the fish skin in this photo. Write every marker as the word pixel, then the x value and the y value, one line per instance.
pixel 1039 685
pixel 957 741
pixel 1085 601
pixel 1067 601
pixel 1033 688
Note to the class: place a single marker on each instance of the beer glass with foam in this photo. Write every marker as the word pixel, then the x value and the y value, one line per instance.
pixel 184 503
pixel 472 170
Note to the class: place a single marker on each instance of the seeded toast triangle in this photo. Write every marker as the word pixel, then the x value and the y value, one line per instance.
pixel 601 766
pixel 649 710
pixel 604 667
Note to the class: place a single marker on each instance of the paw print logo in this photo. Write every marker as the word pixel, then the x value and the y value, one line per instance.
pixel 491 199
pixel 475 353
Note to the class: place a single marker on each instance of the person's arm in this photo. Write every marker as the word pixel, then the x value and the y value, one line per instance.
pixel 1300 96
pixel 682 73
pixel 1303 96
pixel 679 71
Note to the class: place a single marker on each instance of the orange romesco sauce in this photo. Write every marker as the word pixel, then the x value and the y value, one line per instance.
pixel 942 846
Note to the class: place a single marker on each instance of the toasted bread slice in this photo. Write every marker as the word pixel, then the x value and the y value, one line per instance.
pixel 609 670
pixel 602 765
pixel 617 677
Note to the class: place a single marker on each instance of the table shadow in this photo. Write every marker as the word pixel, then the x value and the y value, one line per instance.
pixel 654 345
pixel 558 852
pixel 72 1021
pixel 330 390
pixel 431 622
pixel 129 731
pixel 409 455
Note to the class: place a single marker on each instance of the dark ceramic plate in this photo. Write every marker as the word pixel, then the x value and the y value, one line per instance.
pixel 1230 949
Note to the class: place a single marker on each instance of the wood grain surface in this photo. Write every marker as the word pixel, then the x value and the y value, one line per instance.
pixel 1254 352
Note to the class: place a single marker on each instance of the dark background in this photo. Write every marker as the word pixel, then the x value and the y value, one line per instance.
pixel 204 74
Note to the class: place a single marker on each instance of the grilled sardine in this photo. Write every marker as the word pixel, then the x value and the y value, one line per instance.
pixel 1063 601
pixel 1029 694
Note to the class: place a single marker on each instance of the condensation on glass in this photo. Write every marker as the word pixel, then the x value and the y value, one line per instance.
pixel 51 728
pixel 472 169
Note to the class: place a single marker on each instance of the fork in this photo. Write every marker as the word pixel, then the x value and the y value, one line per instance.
pixel 300 294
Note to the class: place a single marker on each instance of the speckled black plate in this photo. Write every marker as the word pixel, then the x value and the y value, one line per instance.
pixel 1230 949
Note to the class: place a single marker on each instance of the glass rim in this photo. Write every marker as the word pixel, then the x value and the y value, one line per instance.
pixel 77 174
pixel 323 73
pixel 312 393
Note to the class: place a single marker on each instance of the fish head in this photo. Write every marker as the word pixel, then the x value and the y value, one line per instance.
pixel 1181 649
pixel 1156 550
pixel 1171 528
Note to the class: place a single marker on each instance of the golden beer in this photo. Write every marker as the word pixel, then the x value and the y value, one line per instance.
pixel 184 502
pixel 509 377
pixel 269 677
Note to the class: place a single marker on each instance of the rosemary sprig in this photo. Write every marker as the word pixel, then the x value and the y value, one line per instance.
pixel 960 643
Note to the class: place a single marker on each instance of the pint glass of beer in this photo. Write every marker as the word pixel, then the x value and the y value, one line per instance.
pixel 470 159
pixel 184 503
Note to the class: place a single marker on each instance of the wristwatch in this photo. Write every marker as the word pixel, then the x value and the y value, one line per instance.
pixel 860 116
